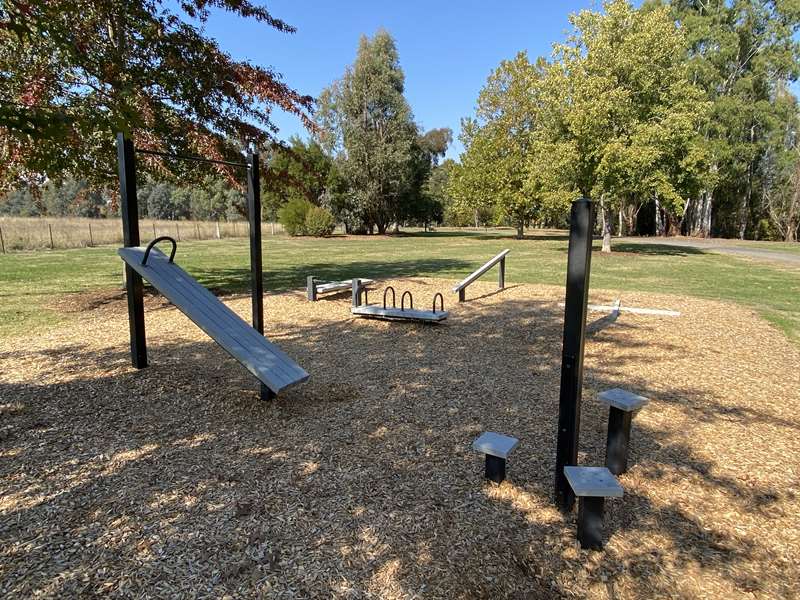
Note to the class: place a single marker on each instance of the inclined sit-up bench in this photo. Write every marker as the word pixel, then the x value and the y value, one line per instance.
pixel 314 287
pixel 461 287
pixel 403 313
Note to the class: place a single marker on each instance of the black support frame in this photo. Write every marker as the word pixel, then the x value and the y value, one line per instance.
pixel 129 209
pixel 577 297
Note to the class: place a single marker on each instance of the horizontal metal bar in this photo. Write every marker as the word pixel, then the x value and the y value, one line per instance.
pixel 193 158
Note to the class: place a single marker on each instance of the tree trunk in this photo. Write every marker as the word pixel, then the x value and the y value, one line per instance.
pixel 605 212
pixel 659 218
pixel 476 218
pixel 520 230
pixel 620 232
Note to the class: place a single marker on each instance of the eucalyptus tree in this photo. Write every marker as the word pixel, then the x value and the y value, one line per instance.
pixel 366 122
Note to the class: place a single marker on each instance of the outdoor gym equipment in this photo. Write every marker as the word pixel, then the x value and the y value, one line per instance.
pixel 272 367
pixel 393 312
pixel 461 287
pixel 314 287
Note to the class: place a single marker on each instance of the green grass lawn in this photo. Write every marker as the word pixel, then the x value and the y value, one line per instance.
pixel 30 281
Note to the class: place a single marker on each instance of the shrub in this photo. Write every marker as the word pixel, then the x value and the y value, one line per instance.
pixel 319 222
pixel 292 216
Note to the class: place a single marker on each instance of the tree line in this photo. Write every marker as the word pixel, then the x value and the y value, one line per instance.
pixel 676 117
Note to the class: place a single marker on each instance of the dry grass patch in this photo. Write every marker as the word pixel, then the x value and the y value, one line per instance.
pixel 176 481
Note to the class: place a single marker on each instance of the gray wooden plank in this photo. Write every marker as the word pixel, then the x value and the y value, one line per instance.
pixel 262 358
pixel 339 285
pixel 227 320
pixel 231 334
pixel 480 271
pixel 229 331
pixel 397 313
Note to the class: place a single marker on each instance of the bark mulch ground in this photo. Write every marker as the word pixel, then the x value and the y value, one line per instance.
pixel 176 481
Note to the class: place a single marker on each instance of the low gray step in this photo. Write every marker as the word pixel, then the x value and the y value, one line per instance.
pixel 495 444
pixel 593 482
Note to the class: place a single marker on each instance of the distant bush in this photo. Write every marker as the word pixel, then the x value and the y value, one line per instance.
pixel 319 222
pixel 766 230
pixel 292 215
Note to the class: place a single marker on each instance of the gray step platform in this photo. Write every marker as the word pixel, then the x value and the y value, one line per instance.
pixel 264 360
pixel 408 314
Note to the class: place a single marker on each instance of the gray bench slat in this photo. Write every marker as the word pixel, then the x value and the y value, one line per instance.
pixel 339 285
pixel 229 332
pixel 475 275
pixel 262 358
pixel 396 313
pixel 229 321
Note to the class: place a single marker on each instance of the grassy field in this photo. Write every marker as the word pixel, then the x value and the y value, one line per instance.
pixel 30 282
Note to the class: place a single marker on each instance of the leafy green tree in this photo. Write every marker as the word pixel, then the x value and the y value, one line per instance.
pixel 298 170
pixel 76 71
pixel 620 115
pixel 367 123
pixel 744 54
pixel 292 216
pixel 493 171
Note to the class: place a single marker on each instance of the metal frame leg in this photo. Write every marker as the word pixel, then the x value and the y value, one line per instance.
pixel 495 468
pixel 311 288
pixel 590 522
pixel 618 440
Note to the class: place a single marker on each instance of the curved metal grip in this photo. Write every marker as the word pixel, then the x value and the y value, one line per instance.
pixel 154 242
pixel 440 297
pixel 394 298
pixel 403 301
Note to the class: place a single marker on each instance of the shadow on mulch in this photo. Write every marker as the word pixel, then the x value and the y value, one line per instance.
pixel 178 473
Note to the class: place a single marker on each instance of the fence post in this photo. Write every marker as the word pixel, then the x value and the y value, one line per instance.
pixel 91 239
pixel 579 258
pixel 197 229
pixel 50 229
pixel 177 231
pixel 154 230
pixel 2 241
pixel 218 234
pixel 234 229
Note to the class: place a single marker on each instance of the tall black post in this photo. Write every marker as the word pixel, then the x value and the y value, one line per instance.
pixel 569 405
pixel 129 207
pixel 256 265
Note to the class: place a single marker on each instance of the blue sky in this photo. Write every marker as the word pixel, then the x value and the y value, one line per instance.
pixel 447 49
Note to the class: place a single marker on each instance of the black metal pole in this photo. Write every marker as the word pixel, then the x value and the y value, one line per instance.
pixel 256 264
pixel 129 207
pixel 569 405
pixel 590 522
pixel 618 440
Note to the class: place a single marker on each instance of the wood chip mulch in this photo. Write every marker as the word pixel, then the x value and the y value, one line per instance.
pixel 176 481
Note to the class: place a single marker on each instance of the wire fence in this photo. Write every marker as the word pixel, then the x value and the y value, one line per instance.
pixel 36 233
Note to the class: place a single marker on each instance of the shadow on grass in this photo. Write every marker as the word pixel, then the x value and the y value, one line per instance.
pixel 492 234
pixel 295 277
pixel 649 249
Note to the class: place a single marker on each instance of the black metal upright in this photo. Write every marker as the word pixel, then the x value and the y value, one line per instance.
pixel 256 263
pixel 129 207
pixel 569 406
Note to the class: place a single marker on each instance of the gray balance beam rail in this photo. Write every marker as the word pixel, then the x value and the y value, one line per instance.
pixel 461 287
pixel 263 359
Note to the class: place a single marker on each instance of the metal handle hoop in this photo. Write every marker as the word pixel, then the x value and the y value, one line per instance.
pixel 155 241
pixel 441 298
pixel 403 300
pixel 394 298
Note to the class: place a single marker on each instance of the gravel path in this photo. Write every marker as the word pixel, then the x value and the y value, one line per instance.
pixel 720 246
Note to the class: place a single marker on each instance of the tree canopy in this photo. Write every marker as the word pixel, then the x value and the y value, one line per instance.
pixel 72 73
